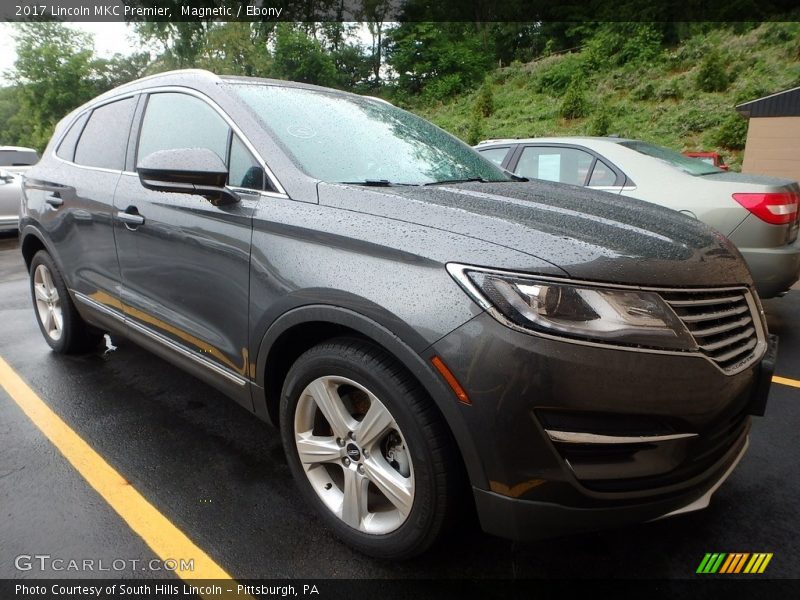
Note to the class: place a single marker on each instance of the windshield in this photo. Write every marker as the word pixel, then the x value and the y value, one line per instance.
pixel 687 164
pixel 343 138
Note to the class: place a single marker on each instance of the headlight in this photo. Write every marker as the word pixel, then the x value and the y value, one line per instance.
pixel 607 315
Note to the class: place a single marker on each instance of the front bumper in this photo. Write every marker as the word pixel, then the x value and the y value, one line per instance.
pixel 527 520
pixel 520 384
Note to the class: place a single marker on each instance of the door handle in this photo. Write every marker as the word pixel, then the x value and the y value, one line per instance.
pixel 54 200
pixel 131 218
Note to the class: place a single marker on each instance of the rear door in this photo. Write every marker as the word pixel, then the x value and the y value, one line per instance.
pixel 185 262
pixel 567 164
pixel 78 200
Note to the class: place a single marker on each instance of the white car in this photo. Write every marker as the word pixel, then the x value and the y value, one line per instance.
pixel 14 161
pixel 759 214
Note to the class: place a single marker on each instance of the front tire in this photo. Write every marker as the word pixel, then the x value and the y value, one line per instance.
pixel 368 448
pixel 62 327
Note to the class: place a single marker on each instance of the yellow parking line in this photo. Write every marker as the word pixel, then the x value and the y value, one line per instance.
pixel 786 381
pixel 163 538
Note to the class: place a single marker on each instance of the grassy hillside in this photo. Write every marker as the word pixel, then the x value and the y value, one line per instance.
pixel 680 97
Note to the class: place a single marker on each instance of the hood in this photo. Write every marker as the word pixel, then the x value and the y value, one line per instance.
pixel 590 235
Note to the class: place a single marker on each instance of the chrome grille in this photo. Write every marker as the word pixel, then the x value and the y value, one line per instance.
pixel 725 324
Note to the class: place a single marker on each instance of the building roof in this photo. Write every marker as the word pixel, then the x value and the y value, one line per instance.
pixel 780 104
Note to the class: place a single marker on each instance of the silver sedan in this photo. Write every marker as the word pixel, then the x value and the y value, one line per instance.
pixel 14 161
pixel 758 214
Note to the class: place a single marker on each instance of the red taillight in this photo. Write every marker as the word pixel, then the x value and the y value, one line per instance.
pixel 776 208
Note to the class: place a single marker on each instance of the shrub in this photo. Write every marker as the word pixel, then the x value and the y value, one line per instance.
pixel 751 91
pixel 574 104
pixel 731 134
pixel 442 88
pixel 670 90
pixel 557 77
pixel 484 103
pixel 698 119
pixel 712 75
pixel 601 123
pixel 475 131
pixel 644 91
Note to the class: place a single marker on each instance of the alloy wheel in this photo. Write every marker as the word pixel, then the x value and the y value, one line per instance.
pixel 48 302
pixel 354 454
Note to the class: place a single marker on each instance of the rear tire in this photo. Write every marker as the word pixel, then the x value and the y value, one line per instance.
pixel 62 327
pixel 377 460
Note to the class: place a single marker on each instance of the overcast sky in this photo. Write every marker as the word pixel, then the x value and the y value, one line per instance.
pixel 109 39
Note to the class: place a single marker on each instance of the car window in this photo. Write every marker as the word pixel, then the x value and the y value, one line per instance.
pixel 66 149
pixel 552 163
pixel 244 171
pixel 339 137
pixel 174 120
pixel 104 139
pixel 602 175
pixel 689 165
pixel 496 155
pixel 18 158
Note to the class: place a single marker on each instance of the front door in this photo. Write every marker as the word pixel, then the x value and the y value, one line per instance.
pixel 185 262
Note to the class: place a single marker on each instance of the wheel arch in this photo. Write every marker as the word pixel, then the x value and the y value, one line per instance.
pixel 301 328
pixel 31 241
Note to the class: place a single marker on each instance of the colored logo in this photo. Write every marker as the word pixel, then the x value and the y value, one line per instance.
pixel 734 563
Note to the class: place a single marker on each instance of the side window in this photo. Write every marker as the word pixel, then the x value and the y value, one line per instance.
pixel 175 120
pixel 244 170
pixel 602 175
pixel 565 165
pixel 66 149
pixel 105 137
pixel 496 155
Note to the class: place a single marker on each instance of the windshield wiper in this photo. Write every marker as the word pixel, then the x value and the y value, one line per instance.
pixel 515 177
pixel 465 180
pixel 478 179
pixel 374 182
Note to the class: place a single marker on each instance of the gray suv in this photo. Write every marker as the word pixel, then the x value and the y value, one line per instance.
pixel 427 332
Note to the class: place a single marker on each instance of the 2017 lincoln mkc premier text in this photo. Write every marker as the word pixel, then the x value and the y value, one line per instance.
pixel 427 331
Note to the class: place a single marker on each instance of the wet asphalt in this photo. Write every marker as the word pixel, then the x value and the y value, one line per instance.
pixel 219 475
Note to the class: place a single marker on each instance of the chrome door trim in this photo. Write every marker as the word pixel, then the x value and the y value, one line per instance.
pixel 230 375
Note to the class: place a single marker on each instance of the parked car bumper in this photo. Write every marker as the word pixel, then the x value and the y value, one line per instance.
pixel 9 223
pixel 774 270
pixel 539 486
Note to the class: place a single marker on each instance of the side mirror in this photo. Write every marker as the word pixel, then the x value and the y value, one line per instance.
pixel 187 171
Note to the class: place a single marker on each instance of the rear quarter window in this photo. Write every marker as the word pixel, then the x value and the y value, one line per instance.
pixel 496 155
pixel 66 149
pixel 104 139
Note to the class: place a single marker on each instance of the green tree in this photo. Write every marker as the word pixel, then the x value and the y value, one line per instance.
pixel 441 59
pixel 299 57
pixel 10 127
pixel 54 73
pixel 120 69
pixel 237 48
pixel 374 13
